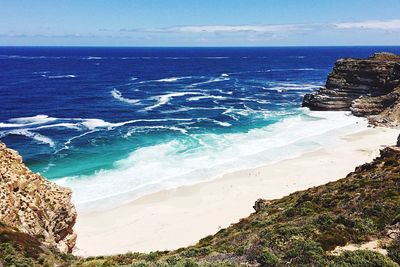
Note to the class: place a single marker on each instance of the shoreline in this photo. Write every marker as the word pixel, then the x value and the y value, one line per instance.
pixel 179 217
pixel 163 167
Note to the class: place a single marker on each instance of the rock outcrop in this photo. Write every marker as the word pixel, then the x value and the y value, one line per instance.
pixel 381 110
pixel 261 204
pixel 368 87
pixel 34 205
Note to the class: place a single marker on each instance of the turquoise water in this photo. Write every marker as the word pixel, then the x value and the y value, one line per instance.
pixel 117 123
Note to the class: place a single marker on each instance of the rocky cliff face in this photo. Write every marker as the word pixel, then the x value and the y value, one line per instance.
pixel 368 87
pixel 34 205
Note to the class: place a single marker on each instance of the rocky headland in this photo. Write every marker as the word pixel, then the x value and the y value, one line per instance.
pixel 34 205
pixel 367 87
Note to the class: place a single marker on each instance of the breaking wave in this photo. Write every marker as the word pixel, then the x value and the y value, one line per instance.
pixel 117 95
pixel 193 158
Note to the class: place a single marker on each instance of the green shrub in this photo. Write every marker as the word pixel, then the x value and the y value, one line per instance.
pixel 93 263
pixel 206 240
pixel 10 256
pixel 361 258
pixel 152 256
pixel 332 239
pixel 324 222
pixel 195 252
pixel 290 212
pixel 306 253
pixel 394 250
pixel 141 264
pixel 186 263
pixel 268 259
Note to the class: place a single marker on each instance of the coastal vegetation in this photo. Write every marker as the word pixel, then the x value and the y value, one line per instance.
pixel 315 227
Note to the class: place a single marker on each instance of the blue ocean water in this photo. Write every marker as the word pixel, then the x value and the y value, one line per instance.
pixel 120 122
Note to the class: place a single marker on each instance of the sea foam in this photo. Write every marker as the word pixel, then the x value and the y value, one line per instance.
pixel 194 158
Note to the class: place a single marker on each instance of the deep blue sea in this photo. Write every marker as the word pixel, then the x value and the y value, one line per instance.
pixel 117 123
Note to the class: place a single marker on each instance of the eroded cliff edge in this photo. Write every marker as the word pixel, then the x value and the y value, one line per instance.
pixel 34 205
pixel 367 87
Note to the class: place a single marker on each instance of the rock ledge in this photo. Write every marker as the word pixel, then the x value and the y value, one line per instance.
pixel 367 87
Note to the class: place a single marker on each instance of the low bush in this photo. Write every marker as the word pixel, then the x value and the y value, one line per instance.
pixel 306 253
pixel 361 258
pixel 394 250
pixel 268 259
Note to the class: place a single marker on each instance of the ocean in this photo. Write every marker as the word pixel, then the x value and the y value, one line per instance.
pixel 115 124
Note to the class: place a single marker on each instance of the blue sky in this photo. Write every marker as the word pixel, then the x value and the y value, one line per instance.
pixel 200 22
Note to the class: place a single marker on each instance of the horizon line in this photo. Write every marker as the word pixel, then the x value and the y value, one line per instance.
pixel 178 46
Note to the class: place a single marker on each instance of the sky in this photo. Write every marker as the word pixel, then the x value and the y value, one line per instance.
pixel 199 22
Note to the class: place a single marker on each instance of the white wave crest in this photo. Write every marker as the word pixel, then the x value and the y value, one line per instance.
pixel 28 125
pixel 92 57
pixel 281 87
pixel 164 99
pixel 73 126
pixel 197 98
pixel 59 76
pixel 96 123
pixel 35 136
pixel 173 79
pixel 220 123
pixel 10 125
pixel 99 123
pixel 166 80
pixel 117 95
pixel 27 121
pixel 212 80
pixel 139 128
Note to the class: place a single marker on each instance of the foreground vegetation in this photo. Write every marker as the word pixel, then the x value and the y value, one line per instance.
pixel 303 229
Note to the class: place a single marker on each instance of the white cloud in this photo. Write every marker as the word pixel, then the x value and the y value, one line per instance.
pixel 240 28
pixel 371 25
pixel 228 28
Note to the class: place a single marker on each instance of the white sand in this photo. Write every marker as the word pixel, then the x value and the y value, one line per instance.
pixel 174 218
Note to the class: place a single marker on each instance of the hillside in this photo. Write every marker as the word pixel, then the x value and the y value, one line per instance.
pixel 306 228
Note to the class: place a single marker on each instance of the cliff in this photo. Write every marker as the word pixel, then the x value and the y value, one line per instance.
pixel 34 205
pixel 368 87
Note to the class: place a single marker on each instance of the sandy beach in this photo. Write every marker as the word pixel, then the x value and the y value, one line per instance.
pixel 175 218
